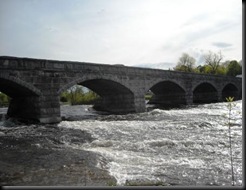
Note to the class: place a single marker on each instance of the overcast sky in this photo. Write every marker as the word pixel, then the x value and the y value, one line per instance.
pixel 151 33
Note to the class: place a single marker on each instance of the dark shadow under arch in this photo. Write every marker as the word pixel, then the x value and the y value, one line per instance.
pixel 24 101
pixel 115 97
pixel 205 93
pixel 14 89
pixel 230 90
pixel 167 94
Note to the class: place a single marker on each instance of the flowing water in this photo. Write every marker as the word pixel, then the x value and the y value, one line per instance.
pixel 186 147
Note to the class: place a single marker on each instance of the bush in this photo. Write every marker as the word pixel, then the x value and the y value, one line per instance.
pixel 76 96
pixel 4 100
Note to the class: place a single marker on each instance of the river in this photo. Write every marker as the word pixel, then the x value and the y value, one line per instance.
pixel 188 146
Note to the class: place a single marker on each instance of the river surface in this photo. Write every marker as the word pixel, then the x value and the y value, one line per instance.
pixel 185 147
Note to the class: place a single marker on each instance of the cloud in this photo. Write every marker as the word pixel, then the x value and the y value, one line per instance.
pixel 121 32
pixel 222 44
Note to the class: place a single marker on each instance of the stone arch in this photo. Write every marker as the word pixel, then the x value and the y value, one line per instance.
pixel 25 98
pixel 153 83
pixel 205 92
pixel 84 78
pixel 14 87
pixel 168 93
pixel 115 96
pixel 230 90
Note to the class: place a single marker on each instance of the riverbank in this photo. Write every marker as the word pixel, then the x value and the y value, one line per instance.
pixel 36 155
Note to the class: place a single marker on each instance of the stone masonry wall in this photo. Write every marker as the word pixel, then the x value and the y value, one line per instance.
pixel 46 79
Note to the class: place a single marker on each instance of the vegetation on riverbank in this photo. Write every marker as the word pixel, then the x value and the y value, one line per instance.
pixel 212 64
pixel 4 100
pixel 145 183
pixel 78 95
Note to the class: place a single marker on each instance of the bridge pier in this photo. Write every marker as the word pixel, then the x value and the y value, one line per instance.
pixel 50 109
pixel 220 98
pixel 41 109
pixel 27 108
pixel 124 103
pixel 189 98
pixel 140 105
pixel 120 103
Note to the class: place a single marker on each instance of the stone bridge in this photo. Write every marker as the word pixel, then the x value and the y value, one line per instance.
pixel 35 86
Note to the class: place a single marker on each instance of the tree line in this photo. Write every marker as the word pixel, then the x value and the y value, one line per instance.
pixel 78 95
pixel 212 65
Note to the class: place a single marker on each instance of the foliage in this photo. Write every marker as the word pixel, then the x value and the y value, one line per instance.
pixel 234 68
pixel 112 183
pixel 76 96
pixel 148 97
pixel 186 63
pixel 203 69
pixel 213 60
pixel 145 183
pixel 221 70
pixel 4 99
pixel 212 65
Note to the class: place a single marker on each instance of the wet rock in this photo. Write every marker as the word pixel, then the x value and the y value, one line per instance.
pixel 39 155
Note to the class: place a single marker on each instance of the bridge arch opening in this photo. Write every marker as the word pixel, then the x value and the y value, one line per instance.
pixel 205 93
pixel 167 94
pixel 22 100
pixel 112 96
pixel 230 90
pixel 78 95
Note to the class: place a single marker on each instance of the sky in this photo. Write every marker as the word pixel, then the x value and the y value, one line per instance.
pixel 145 33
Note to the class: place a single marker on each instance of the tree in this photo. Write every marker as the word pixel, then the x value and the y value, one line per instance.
pixel 79 95
pixel 234 68
pixel 186 63
pixel 201 69
pixel 213 60
pixel 4 99
pixel 75 94
pixel 221 70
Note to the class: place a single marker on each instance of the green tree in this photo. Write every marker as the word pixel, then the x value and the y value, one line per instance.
pixel 213 60
pixel 221 70
pixel 234 68
pixel 206 69
pixel 4 99
pixel 75 94
pixel 186 63
pixel 78 95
